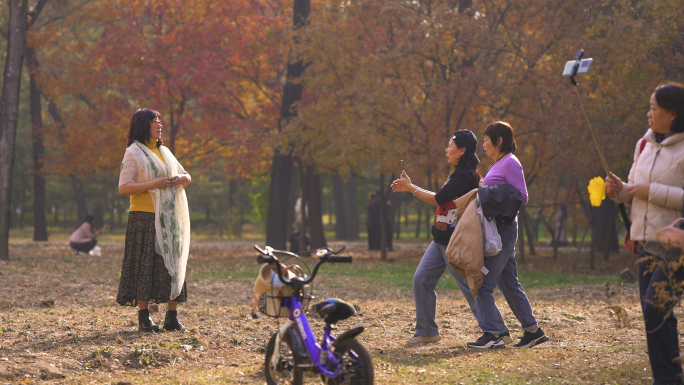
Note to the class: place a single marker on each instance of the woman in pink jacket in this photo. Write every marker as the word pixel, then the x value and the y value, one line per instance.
pixel 654 189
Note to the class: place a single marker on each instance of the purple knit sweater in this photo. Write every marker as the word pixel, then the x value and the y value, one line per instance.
pixel 507 170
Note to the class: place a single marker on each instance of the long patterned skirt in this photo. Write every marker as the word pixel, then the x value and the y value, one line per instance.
pixel 143 274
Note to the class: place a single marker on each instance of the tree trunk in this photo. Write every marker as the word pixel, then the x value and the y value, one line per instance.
pixel 352 214
pixel 234 219
pixel 525 219
pixel 9 111
pixel 174 114
pixel 330 208
pixel 340 207
pixel 592 249
pixel 12 217
pixel 396 203
pixel 293 195
pixel 39 216
pixel 303 208
pixel 604 229
pixel 419 212
pixel 111 217
pixel 579 248
pixel 79 194
pixel 521 241
pixel 98 215
pixel 315 209
pixel 23 201
pixel 428 222
pixel 276 226
pixel 383 219
pixel 535 225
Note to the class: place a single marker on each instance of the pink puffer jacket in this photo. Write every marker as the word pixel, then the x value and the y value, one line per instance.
pixel 661 166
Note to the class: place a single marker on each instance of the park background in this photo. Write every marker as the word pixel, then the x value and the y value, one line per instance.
pixel 260 107
pixel 258 111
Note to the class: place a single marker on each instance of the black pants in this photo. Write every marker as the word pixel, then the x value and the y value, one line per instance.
pixel 663 343
pixel 83 247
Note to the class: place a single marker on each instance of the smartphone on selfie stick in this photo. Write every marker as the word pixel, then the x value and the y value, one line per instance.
pixel 572 69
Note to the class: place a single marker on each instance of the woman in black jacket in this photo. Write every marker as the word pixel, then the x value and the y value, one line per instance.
pixel 461 154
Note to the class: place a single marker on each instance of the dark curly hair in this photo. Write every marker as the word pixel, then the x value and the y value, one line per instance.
pixel 670 96
pixel 502 130
pixel 141 124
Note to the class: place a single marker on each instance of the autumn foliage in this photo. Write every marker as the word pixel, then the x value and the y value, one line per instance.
pixel 384 80
pixel 211 68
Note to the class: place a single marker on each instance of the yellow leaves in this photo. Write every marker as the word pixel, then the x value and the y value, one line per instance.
pixel 597 191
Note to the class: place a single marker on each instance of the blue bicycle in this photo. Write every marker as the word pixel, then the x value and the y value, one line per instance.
pixel 293 352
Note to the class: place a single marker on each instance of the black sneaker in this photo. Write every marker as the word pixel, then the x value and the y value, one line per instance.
pixel 487 341
pixel 529 339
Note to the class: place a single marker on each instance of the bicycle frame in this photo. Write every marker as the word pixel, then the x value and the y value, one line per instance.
pixel 297 317
pixel 321 355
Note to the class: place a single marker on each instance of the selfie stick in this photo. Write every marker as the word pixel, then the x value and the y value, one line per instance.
pixel 575 68
pixel 582 66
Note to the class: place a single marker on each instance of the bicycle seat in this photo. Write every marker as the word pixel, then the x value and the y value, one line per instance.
pixel 333 310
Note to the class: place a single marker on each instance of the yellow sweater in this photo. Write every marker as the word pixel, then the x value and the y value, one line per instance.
pixel 143 202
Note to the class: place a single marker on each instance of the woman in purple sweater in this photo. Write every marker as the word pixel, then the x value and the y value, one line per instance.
pixel 499 144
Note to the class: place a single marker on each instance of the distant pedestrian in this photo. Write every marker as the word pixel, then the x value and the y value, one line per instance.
pixel 654 189
pixel 83 239
pixel 295 238
pixel 460 153
pixel 298 208
pixel 158 233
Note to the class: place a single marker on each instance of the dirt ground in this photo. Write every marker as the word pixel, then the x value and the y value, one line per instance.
pixel 59 323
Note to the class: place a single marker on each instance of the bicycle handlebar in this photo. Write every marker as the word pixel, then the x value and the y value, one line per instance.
pixel 328 251
pixel 324 255
pixel 340 259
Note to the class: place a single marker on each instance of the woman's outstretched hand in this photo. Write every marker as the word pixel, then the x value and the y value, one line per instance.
pixel 402 184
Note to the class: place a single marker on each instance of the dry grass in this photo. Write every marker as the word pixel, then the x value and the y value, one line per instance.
pixel 91 339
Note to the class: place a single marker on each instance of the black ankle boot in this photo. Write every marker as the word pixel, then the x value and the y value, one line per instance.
pixel 145 323
pixel 171 321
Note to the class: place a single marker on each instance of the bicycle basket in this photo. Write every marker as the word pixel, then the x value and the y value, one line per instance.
pixel 271 290
pixel 272 305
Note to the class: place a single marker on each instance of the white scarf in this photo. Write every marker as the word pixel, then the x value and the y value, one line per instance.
pixel 171 215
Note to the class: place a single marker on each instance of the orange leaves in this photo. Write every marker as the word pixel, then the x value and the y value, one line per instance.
pixel 210 68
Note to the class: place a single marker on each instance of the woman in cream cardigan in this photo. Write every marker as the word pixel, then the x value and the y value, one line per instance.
pixel 158 232
pixel 654 189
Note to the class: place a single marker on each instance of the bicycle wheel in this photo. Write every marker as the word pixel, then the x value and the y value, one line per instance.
pixel 356 363
pixel 286 371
